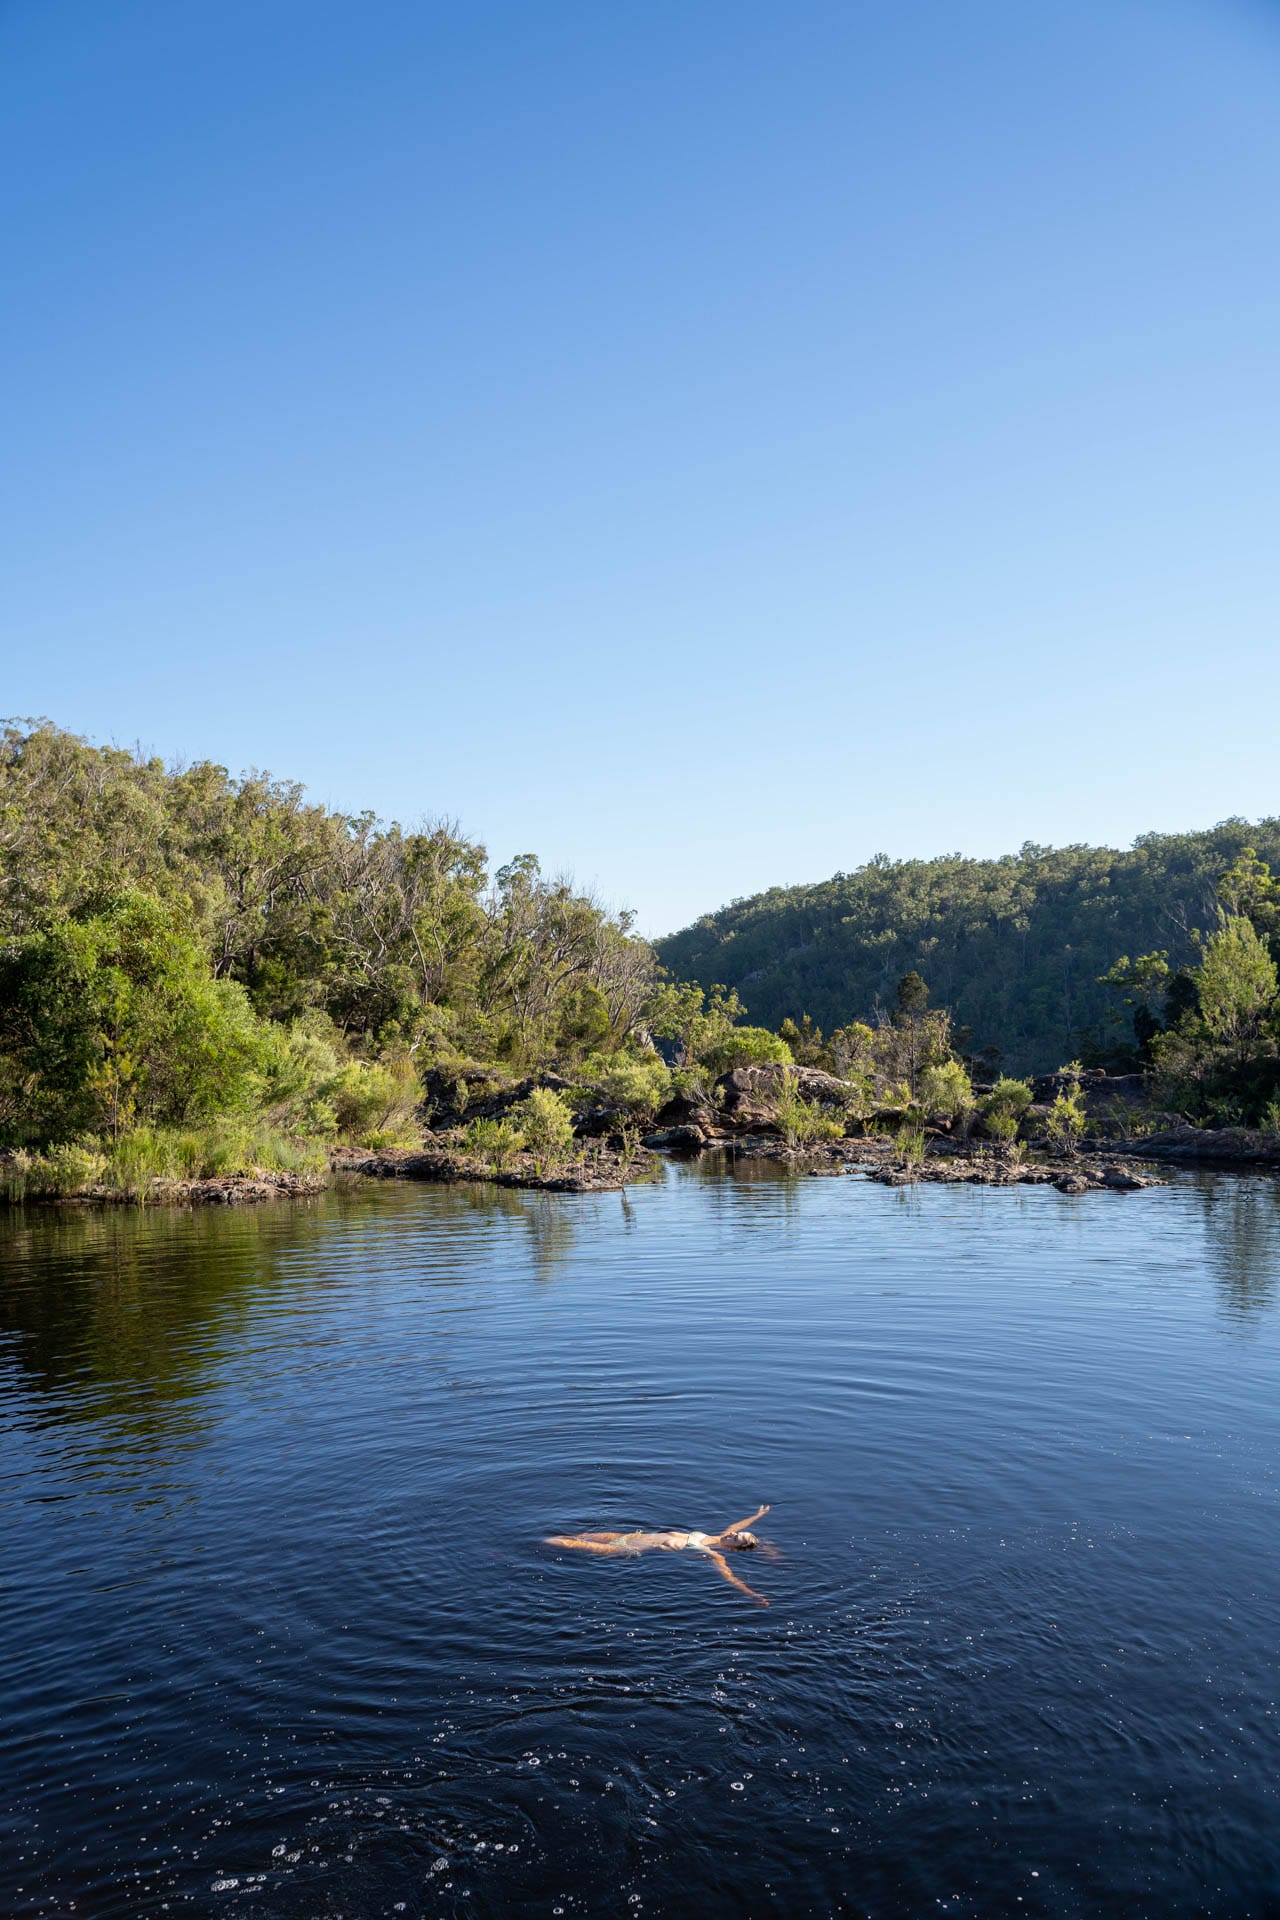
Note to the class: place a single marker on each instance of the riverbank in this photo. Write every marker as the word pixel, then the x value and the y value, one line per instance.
pixel 223 1191
pixel 733 1122
pixel 940 1163
pixel 222 1165
pixel 602 1169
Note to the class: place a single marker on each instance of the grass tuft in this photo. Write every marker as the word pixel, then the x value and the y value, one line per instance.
pixel 149 1158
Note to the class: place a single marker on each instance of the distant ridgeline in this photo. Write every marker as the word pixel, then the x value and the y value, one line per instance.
pixel 1014 947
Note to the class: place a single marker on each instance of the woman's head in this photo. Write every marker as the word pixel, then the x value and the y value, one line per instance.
pixel 739 1540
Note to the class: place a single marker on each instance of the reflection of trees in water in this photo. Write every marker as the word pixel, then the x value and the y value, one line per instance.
pixel 552 1229
pixel 125 1320
pixel 123 1316
pixel 724 1176
pixel 1241 1216
pixel 551 1220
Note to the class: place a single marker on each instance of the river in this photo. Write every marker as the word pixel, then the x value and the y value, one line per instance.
pixel 281 1634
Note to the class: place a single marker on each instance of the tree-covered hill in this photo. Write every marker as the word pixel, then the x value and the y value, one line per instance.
pixel 1013 946
pixel 179 947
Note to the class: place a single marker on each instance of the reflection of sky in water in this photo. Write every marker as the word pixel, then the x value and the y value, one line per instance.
pixel 277 1480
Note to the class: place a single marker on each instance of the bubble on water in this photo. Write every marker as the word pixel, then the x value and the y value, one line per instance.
pixel 223 1886
pixel 736 1786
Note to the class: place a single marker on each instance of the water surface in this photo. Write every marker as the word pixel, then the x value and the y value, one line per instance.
pixel 280 1634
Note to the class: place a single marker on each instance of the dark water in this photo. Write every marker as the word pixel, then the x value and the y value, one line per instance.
pixel 279 1635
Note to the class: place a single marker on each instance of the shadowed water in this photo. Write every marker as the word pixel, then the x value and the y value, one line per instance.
pixel 280 1634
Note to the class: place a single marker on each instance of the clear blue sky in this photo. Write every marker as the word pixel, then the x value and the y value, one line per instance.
pixel 702 443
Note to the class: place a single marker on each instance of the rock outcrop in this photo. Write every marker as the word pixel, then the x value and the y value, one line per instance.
pixel 1212 1146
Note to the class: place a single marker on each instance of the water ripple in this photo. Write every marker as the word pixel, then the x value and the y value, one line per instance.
pixel 282 1632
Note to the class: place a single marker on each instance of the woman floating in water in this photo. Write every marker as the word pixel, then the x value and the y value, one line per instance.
pixel 734 1539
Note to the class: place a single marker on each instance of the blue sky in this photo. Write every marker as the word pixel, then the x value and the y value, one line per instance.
pixel 704 444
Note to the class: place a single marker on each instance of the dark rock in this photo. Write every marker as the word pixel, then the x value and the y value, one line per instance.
pixel 684 1139
pixel 1122 1181
pixel 753 1090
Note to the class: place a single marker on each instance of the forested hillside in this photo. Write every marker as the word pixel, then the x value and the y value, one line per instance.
pixel 179 946
pixel 1014 947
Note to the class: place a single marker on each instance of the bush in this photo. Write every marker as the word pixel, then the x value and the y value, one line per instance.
pixel 746 1047
pixel 946 1090
pixel 546 1121
pixel 224 1150
pixel 1067 1118
pixel 1004 1106
pixel 112 1018
pixel 302 1078
pixel 374 1103
pixel 802 1121
pixel 695 1084
pixel 910 1144
pixel 493 1141
pixel 1066 1121
pixel 636 1085
pixel 75 1167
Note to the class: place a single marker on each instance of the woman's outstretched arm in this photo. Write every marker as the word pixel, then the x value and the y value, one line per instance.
pixel 722 1566
pixel 738 1525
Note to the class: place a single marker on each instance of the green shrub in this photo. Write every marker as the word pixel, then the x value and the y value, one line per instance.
pixel 303 1077
pixel 546 1121
pixel 111 1018
pixel 1004 1106
pixel 138 1159
pixel 946 1090
pixel 746 1047
pixel 74 1167
pixel 910 1145
pixel 625 1082
pixel 493 1141
pixel 1067 1118
pixel 695 1084
pixel 376 1100
pixel 802 1121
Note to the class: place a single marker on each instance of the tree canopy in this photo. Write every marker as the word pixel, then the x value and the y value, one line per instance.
pixel 1014 947
pixel 162 928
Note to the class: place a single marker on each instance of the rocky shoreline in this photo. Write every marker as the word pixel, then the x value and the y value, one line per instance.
pixel 606 1170
pixel 1206 1146
pixel 736 1124
pixel 224 1191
